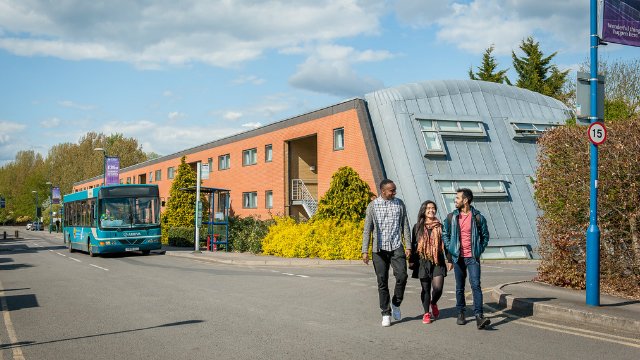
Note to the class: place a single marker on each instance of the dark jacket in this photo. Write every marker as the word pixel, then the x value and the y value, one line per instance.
pixel 451 234
pixel 415 263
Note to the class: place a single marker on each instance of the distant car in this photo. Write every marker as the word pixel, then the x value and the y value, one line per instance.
pixel 37 225
pixel 29 225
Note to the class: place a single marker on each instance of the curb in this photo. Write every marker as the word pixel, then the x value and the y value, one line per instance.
pixel 282 262
pixel 529 308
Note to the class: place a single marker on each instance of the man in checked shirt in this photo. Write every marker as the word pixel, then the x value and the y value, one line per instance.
pixel 387 221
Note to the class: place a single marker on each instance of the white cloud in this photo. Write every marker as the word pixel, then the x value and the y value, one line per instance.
pixel 151 34
pixel 9 144
pixel 167 93
pixel 74 105
pixel 176 116
pixel 7 129
pixel 248 79
pixel 252 125
pixel 475 25
pixel 50 123
pixel 329 69
pixel 232 115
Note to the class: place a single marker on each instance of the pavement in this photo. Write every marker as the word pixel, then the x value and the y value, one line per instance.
pixel 528 298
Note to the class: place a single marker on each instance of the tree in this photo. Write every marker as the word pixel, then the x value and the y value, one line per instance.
pixel 487 71
pixel 347 197
pixel 180 210
pixel 536 73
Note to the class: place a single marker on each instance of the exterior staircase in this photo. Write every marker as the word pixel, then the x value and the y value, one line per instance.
pixel 301 195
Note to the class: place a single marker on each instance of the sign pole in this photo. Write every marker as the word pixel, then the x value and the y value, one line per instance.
pixel 199 174
pixel 593 232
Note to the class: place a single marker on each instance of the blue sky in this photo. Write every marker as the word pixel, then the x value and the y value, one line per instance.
pixel 176 74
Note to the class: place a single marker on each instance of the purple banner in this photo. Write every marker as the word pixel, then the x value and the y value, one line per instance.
pixel 55 195
pixel 621 22
pixel 113 171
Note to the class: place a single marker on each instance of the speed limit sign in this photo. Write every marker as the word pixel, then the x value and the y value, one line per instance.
pixel 597 133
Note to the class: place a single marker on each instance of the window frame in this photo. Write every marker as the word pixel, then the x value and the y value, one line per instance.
pixel 268 195
pixel 227 161
pixel 158 175
pixel 522 133
pixel 480 194
pixel 171 173
pixel 335 146
pixel 250 195
pixel 253 154
pixel 268 153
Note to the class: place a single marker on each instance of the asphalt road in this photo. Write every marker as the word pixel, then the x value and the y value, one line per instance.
pixel 58 305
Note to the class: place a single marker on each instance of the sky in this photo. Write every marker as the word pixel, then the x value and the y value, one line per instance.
pixel 177 74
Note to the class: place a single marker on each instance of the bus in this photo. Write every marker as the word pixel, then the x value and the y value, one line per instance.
pixel 112 219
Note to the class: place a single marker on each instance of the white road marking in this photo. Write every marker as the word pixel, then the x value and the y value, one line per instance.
pixel 568 329
pixel 74 259
pixel 8 324
pixel 288 274
pixel 99 267
pixel 51 250
pixel 302 276
pixel 61 254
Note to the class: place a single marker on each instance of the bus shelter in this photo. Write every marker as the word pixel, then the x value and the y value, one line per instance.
pixel 216 219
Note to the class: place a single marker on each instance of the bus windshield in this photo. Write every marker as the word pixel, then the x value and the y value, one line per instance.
pixel 129 212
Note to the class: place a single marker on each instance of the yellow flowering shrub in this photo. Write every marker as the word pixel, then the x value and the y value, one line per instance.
pixel 325 239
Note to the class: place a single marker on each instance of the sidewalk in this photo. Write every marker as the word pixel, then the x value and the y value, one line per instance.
pixel 537 299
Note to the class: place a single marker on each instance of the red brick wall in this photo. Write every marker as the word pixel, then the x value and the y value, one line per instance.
pixel 272 176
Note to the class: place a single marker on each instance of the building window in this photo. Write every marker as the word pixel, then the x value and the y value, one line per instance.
pixel 249 157
pixel 150 177
pixel 170 172
pixel 158 175
pixel 129 180
pixel 268 199
pixel 249 200
pixel 268 153
pixel 434 130
pixel 210 162
pixel 530 131
pixel 338 139
pixel 224 162
pixel 480 188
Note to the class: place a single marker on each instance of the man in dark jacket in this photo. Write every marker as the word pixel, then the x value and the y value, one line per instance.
pixel 465 237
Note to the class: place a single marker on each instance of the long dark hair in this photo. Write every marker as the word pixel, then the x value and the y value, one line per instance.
pixel 422 216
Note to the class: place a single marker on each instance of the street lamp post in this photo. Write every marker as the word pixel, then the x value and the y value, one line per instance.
pixel 50 204
pixel 36 200
pixel 104 164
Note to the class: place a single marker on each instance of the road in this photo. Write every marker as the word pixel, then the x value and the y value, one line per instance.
pixel 61 305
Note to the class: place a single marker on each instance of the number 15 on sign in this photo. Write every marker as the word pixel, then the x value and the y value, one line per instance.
pixel 597 133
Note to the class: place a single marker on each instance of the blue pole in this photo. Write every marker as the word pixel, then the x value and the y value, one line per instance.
pixel 593 233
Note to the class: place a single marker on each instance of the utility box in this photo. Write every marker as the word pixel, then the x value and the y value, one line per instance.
pixel 583 96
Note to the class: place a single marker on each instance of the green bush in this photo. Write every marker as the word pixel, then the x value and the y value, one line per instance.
pixel 562 192
pixel 325 239
pixel 346 199
pixel 183 236
pixel 246 234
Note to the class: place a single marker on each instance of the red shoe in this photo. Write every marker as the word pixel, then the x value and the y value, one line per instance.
pixel 426 319
pixel 435 311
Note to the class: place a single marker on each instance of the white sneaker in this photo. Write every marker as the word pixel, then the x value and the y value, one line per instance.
pixel 386 320
pixel 395 311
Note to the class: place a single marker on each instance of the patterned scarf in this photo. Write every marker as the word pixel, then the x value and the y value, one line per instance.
pixel 430 246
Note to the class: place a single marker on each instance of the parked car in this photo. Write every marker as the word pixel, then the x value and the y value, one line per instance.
pixel 37 225
pixel 29 225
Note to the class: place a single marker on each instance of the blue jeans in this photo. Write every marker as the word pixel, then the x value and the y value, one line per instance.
pixel 461 268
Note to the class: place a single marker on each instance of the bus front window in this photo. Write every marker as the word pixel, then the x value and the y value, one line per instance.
pixel 129 212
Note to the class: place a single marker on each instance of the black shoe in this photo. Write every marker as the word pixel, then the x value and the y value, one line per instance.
pixel 461 319
pixel 482 321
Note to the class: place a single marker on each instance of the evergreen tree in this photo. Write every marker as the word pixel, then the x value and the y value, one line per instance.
pixel 535 71
pixel 347 197
pixel 180 210
pixel 487 71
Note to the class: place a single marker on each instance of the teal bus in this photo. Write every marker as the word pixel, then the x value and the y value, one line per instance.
pixel 113 219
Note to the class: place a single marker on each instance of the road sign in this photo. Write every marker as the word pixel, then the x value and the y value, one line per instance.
pixel 597 133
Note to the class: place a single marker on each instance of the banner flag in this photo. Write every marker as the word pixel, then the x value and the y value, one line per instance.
pixel 621 22
pixel 113 171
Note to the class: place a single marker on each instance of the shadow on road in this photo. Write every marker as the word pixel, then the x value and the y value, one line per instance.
pixel 34 343
pixel 519 309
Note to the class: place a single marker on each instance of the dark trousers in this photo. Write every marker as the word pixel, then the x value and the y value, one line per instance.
pixel 461 268
pixel 381 262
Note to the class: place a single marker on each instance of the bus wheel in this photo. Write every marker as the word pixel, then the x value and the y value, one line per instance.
pixel 91 253
pixel 146 252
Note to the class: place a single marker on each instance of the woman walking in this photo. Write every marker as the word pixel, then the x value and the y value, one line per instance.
pixel 428 260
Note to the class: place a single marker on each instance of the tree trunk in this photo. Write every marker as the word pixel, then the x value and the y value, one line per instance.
pixel 635 238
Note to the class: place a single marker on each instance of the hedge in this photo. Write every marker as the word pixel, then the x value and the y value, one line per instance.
pixel 562 191
pixel 246 234
pixel 325 239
